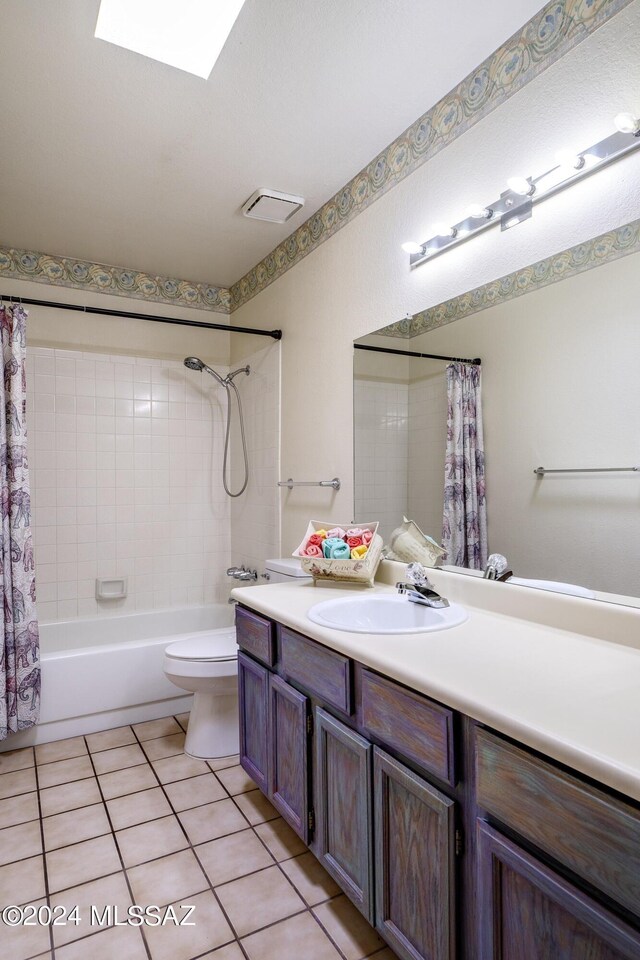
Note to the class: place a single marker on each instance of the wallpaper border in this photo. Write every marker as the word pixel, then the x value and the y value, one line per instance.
pixel 549 35
pixel 117 281
pixel 585 256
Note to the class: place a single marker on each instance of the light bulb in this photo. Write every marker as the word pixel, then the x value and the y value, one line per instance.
pixel 412 247
pixel 566 158
pixel 627 123
pixel 444 230
pixel 521 186
pixel 478 212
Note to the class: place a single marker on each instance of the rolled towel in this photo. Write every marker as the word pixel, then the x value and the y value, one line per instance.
pixel 354 542
pixel 329 543
pixel 355 532
pixel 336 532
pixel 359 552
pixel 312 550
pixel 320 533
pixel 367 536
pixel 339 550
pixel 316 539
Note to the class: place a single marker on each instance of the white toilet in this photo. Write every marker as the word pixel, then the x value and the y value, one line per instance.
pixel 206 664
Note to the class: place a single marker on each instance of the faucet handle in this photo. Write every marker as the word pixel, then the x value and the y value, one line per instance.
pixel 417 574
pixel 496 566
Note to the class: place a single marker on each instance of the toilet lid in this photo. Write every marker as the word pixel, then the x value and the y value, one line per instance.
pixel 207 645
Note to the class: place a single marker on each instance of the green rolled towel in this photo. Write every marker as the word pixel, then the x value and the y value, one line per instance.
pixel 339 550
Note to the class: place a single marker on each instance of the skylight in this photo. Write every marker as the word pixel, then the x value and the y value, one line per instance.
pixel 187 34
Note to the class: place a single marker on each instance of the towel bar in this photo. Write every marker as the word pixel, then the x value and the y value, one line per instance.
pixel 541 471
pixel 289 484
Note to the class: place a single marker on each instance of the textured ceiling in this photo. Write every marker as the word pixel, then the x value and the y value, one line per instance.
pixel 112 157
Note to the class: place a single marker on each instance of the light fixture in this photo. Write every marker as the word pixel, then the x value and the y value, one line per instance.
pixel 515 205
pixel 521 185
pixel 412 247
pixel 188 34
pixel 627 123
pixel 478 212
pixel 570 160
pixel 444 230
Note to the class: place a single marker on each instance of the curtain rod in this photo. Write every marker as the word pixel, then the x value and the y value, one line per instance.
pixel 411 353
pixel 127 315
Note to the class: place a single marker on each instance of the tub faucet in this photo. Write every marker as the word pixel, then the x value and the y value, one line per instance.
pixel 245 575
pixel 419 589
pixel 497 568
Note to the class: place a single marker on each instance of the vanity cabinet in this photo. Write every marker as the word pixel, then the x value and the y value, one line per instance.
pixel 343 809
pixel 529 912
pixel 414 862
pixel 453 841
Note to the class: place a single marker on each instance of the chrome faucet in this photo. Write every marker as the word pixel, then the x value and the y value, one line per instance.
pixel 496 568
pixel 241 573
pixel 419 589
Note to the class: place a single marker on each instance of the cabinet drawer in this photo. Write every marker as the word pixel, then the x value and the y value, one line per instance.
pixel 594 835
pixel 318 670
pixel 418 728
pixel 255 635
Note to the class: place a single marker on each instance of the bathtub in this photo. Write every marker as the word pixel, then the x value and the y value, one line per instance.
pixel 106 672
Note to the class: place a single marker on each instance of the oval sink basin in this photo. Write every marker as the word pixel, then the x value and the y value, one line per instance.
pixel 388 614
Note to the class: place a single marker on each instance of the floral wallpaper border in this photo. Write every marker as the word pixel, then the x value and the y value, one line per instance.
pixel 584 256
pixel 118 281
pixel 559 26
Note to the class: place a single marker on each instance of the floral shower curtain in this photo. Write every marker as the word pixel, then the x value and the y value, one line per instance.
pixel 20 650
pixel 464 526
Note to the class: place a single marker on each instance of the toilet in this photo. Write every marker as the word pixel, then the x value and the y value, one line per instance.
pixel 206 664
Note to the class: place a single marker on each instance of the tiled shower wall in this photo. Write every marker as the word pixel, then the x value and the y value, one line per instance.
pixel 400 443
pixel 427 449
pixel 126 459
pixel 381 452
pixel 255 520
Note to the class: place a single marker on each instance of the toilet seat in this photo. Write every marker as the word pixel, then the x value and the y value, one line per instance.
pixel 205 647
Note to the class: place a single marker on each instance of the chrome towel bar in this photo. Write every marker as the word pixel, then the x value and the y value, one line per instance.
pixel 289 484
pixel 541 471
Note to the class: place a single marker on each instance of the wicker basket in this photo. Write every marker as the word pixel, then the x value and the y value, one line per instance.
pixel 346 571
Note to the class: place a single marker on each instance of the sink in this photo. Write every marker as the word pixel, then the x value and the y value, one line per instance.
pixel 387 614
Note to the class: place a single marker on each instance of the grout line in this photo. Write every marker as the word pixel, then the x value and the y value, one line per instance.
pixel 44 864
pixel 306 908
pixel 191 847
pixel 117 846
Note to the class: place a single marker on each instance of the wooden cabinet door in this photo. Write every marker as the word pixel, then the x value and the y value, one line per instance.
pixel 414 862
pixel 343 809
pixel 253 697
pixel 289 735
pixel 529 911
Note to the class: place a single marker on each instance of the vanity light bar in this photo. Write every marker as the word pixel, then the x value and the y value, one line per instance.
pixel 516 204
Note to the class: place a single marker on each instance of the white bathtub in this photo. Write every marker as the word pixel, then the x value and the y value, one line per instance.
pixel 103 673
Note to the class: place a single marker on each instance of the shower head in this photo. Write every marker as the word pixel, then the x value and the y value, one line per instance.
pixel 194 363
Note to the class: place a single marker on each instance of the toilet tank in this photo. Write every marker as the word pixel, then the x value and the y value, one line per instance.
pixel 285 570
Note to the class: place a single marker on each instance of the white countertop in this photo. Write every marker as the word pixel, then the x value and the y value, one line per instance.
pixel 571 691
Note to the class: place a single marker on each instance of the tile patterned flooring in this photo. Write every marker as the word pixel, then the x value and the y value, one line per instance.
pixel 125 817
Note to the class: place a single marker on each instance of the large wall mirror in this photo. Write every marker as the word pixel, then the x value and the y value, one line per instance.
pixel 560 390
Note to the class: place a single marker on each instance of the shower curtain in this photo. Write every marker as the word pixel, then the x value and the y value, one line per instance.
pixel 464 526
pixel 20 650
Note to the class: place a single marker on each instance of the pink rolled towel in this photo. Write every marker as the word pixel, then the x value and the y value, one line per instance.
pixel 367 536
pixel 355 532
pixel 336 532
pixel 312 550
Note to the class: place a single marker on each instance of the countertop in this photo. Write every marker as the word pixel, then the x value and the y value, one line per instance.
pixel 568 693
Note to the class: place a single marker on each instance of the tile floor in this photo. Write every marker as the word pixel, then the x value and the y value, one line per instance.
pixel 125 817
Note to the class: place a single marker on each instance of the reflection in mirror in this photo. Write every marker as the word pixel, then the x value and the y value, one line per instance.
pixel 560 390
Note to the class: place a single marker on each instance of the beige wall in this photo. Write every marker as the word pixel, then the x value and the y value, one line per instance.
pixel 560 388
pixel 360 280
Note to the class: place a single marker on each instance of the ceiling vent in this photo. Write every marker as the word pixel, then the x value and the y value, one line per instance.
pixel 272 205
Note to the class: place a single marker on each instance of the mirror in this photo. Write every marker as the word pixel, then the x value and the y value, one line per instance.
pixel 560 390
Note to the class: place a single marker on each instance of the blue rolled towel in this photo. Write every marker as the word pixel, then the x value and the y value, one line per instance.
pixel 328 544
pixel 340 551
